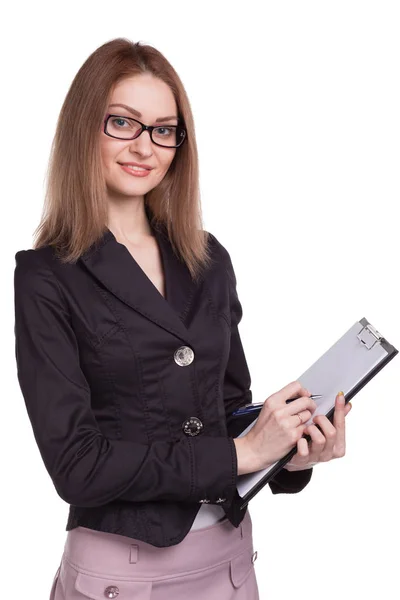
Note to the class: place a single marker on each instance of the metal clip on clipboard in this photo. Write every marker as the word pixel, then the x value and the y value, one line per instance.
pixel 369 336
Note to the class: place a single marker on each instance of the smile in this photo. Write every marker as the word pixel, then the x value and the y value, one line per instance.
pixel 135 171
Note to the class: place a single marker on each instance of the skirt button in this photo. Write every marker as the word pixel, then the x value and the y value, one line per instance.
pixel 111 591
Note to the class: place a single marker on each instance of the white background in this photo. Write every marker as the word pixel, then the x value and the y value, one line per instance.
pixel 296 108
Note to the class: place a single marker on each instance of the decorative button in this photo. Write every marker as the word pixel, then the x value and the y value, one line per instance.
pixel 192 426
pixel 184 356
pixel 205 501
pixel 220 500
pixel 111 591
pixel 254 557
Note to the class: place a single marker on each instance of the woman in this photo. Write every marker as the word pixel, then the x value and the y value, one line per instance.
pixel 129 356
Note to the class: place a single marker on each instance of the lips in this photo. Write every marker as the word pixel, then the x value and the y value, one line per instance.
pixel 135 172
pixel 132 164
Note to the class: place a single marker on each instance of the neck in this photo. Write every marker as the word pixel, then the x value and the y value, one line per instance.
pixel 128 221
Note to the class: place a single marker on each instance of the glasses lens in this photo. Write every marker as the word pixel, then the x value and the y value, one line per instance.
pixel 125 128
pixel 168 135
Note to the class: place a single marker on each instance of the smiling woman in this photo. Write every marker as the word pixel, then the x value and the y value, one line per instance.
pixel 124 128
pixel 146 100
pixel 128 350
pixel 122 133
pixel 126 317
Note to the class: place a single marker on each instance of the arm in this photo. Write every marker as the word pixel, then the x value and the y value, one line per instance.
pixel 237 393
pixel 237 379
pixel 87 468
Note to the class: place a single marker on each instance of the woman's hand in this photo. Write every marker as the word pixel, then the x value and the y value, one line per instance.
pixel 324 446
pixel 278 428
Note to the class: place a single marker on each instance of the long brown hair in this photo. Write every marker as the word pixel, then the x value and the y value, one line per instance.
pixel 75 208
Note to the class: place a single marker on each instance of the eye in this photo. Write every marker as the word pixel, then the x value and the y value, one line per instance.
pixel 119 119
pixel 168 131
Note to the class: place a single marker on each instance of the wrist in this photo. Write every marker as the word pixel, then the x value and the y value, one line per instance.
pixel 247 460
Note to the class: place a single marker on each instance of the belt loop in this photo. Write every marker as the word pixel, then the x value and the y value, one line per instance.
pixel 134 555
pixel 241 530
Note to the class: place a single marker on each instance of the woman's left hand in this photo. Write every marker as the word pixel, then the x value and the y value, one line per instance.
pixel 324 446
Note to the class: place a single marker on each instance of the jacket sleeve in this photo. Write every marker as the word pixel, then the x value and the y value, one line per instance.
pixel 87 468
pixel 237 379
pixel 237 392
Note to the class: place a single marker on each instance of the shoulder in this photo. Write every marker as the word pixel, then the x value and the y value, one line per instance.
pixel 33 267
pixel 217 249
pixel 220 255
pixel 32 256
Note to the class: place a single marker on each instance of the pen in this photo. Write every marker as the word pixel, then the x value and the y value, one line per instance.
pixel 257 406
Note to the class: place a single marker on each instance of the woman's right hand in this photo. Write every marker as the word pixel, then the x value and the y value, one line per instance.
pixel 277 429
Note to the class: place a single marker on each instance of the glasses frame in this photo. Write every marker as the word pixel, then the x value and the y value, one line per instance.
pixel 144 127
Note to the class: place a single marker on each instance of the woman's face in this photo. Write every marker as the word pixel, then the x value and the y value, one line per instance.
pixel 152 98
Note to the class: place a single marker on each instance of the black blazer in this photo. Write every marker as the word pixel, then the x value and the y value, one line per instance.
pixel 112 373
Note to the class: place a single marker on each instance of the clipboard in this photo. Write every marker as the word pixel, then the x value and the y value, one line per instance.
pixel 348 365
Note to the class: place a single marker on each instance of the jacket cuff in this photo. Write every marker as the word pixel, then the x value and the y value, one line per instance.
pixel 290 482
pixel 214 470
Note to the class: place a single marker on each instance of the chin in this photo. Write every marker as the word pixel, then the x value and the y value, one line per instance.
pixel 128 190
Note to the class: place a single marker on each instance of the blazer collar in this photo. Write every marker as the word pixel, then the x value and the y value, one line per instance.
pixel 111 263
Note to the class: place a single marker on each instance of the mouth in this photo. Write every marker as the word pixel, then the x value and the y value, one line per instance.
pixel 135 171
pixel 135 167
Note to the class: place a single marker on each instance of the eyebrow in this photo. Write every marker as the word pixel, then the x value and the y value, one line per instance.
pixel 139 114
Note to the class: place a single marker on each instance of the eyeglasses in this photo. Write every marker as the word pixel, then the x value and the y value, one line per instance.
pixel 126 128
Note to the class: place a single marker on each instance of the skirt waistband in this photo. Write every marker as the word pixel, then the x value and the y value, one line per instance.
pixel 98 552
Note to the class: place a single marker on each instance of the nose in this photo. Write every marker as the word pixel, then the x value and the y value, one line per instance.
pixel 142 143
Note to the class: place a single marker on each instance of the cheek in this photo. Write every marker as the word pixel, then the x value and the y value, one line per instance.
pixel 104 154
pixel 166 163
pixel 108 159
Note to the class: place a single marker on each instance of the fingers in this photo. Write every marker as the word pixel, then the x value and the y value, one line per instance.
pixel 294 421
pixel 303 403
pixel 339 410
pixel 330 442
pixel 291 390
pixel 289 414
pixel 301 458
pixel 340 424
pixel 318 440
pixel 302 449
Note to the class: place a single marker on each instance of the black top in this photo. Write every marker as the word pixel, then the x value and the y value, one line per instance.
pixel 111 373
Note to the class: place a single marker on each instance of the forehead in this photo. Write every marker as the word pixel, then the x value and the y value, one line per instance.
pixel 146 93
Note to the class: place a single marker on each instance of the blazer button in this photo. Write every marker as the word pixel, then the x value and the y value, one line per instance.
pixel 192 426
pixel 111 591
pixel 183 356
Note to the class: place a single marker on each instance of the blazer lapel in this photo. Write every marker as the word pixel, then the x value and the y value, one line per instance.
pixel 114 266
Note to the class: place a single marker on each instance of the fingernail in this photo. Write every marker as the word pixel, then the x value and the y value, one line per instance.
pixel 341 398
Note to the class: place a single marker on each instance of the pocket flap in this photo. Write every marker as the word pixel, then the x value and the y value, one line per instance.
pixel 100 588
pixel 240 567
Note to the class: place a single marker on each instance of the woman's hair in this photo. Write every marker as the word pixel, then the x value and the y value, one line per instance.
pixel 75 208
